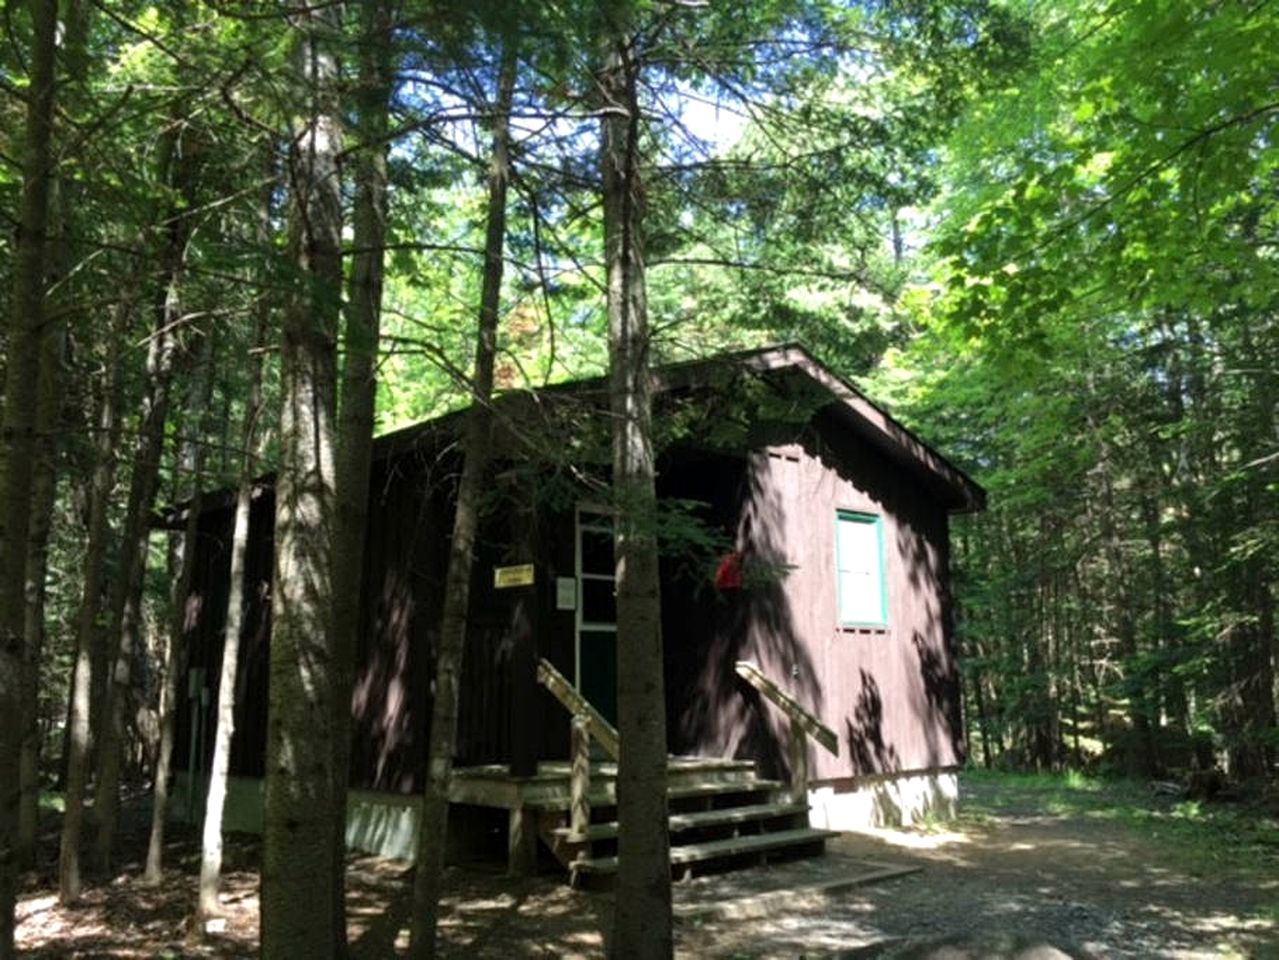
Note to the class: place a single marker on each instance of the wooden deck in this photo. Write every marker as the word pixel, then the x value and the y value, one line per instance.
pixel 719 809
pixel 548 789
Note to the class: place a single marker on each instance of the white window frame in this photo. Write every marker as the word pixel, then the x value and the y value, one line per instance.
pixel 841 567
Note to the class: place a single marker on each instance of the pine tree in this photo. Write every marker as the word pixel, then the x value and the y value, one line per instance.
pixel 297 850
pixel 642 920
pixel 475 447
pixel 17 437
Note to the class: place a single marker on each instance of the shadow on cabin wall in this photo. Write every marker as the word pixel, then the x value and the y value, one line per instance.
pixel 410 518
pixel 710 710
pixel 900 702
pixel 410 527
pixel 193 730
pixel 403 576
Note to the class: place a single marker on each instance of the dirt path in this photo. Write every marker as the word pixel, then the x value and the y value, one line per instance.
pixel 1012 881
pixel 1000 884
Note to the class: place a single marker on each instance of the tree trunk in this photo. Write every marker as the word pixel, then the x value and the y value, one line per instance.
pixel 356 417
pixel 44 485
pixel 207 904
pixel 43 490
pixel 190 462
pixel 126 590
pixel 448 658
pixel 642 920
pixel 1172 692
pixel 297 849
pixel 17 436
pixel 974 668
pixel 88 636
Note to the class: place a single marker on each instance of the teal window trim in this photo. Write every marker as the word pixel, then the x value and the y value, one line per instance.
pixel 853 516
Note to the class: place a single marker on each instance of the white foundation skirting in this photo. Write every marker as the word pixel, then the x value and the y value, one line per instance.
pixel 381 823
pixel 387 824
pixel 886 801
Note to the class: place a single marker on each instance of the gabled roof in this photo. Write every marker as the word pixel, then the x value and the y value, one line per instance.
pixel 858 413
pixel 855 411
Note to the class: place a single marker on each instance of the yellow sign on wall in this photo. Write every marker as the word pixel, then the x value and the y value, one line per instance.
pixel 520 575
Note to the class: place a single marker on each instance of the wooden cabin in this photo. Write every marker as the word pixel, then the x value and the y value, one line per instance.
pixel 804 532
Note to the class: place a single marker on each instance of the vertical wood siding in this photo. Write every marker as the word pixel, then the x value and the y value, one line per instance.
pixel 410 520
pixel 891 694
pixel 210 586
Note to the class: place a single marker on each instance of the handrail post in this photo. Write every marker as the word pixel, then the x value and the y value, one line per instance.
pixel 803 725
pixel 605 733
pixel 798 757
pixel 580 777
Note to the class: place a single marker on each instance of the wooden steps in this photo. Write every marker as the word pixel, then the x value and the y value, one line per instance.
pixel 606 795
pixel 548 789
pixel 722 816
pixel 792 841
pixel 681 822
pixel 721 812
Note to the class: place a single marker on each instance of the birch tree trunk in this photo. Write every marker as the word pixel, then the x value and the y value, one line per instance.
pixel 207 904
pixel 17 436
pixel 88 636
pixel 356 416
pixel 190 466
pixel 642 920
pixel 297 851
pixel 448 659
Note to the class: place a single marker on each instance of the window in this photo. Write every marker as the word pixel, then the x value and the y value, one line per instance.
pixel 861 590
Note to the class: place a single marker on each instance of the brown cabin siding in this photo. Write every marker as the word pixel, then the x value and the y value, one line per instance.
pixel 890 694
pixel 501 711
pixel 410 520
pixel 403 578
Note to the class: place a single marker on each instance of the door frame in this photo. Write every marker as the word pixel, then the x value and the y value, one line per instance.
pixel 603 524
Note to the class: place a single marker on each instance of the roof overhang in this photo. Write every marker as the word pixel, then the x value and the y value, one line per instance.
pixel 855 411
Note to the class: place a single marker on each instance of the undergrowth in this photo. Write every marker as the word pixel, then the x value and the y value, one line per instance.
pixel 1199 836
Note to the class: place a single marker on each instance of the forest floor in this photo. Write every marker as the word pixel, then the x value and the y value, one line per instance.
pixel 1034 869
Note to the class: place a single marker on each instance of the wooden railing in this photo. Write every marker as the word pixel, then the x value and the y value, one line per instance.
pixel 577 705
pixel 587 723
pixel 803 725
